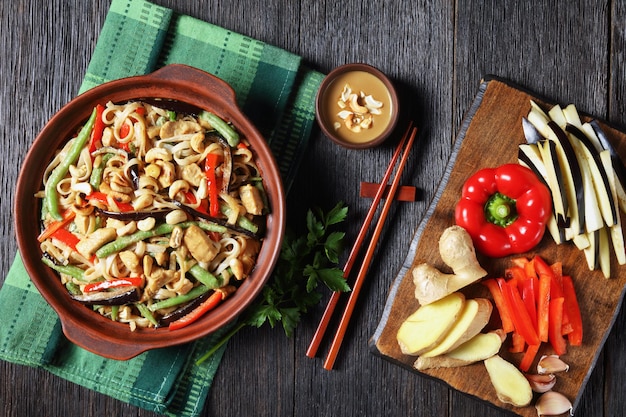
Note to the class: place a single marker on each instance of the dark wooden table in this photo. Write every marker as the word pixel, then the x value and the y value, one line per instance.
pixel 437 53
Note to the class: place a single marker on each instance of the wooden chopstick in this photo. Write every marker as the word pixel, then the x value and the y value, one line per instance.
pixel 356 248
pixel 358 283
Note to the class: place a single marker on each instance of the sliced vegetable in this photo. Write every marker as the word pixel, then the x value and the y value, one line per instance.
pixel 223 128
pixel 114 283
pixel 95 141
pixel 555 337
pixel 103 199
pixel 52 198
pixel 118 296
pixel 67 218
pixel 212 302
pixel 66 237
pixel 210 165
pixel 572 308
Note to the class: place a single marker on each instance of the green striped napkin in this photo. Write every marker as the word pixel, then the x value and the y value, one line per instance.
pixel 273 89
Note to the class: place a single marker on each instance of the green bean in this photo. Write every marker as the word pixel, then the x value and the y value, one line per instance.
pixel 179 299
pixel 71 270
pixel 123 242
pixel 59 172
pixel 146 313
pixel 96 172
pixel 72 288
pixel 205 277
pixel 242 221
pixel 114 312
pixel 223 128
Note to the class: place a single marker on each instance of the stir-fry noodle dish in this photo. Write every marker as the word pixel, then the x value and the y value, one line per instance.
pixel 150 216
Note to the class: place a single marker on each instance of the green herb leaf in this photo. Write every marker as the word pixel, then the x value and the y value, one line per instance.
pixel 305 262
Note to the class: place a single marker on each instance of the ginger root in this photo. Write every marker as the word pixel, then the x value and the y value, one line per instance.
pixel 457 251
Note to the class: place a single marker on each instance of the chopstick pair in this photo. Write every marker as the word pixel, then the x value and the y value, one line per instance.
pixel 405 143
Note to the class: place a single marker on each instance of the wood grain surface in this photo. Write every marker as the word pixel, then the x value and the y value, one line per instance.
pixel 436 53
pixel 491 133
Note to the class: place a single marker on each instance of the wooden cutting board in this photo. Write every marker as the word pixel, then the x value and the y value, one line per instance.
pixel 489 137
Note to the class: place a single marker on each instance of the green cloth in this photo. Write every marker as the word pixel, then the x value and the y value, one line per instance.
pixel 274 89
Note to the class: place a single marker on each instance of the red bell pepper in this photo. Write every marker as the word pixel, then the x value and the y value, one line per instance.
pixel 114 283
pixel 203 206
pixel 504 209
pixel 67 237
pixel 209 304
pixel 102 198
pixel 521 318
pixel 517 343
pixel 527 288
pixel 571 307
pixel 543 307
pixel 556 323
pixel 210 164
pixel 501 305
pixel 96 134
pixel 68 217
pixel 529 357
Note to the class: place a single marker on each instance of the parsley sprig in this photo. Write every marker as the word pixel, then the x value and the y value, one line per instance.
pixel 305 262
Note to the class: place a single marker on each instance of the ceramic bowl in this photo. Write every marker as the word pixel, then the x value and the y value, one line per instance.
pixel 80 324
pixel 347 115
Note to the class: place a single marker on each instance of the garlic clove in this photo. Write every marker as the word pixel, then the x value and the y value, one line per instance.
pixel 553 403
pixel 541 383
pixel 341 104
pixel 550 364
pixel 337 125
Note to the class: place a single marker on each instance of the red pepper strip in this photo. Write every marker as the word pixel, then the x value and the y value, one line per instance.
pixel 527 288
pixel 96 134
pixel 504 210
pixel 209 304
pixel 556 317
pixel 501 304
pixel 517 343
pixel 520 316
pixel 543 307
pixel 209 170
pixel 573 312
pixel 529 357
pixel 102 198
pixel 515 273
pixel 68 217
pixel 67 237
pixel 203 207
pixel 114 283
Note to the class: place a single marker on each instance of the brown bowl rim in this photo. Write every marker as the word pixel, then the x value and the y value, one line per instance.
pixel 87 328
pixel 329 78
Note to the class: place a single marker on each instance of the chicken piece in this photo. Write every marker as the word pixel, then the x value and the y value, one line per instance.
pixel 157 279
pixel 251 199
pixel 201 247
pixel 181 127
pixel 89 245
pixel 130 260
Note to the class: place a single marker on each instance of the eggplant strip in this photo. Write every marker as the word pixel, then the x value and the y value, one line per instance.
pixel 119 296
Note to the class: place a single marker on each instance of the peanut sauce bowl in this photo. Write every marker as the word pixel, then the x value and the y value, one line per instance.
pixel 357 106
pixel 188 88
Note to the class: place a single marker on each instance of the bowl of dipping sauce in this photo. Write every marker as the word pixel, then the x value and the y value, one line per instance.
pixel 357 106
